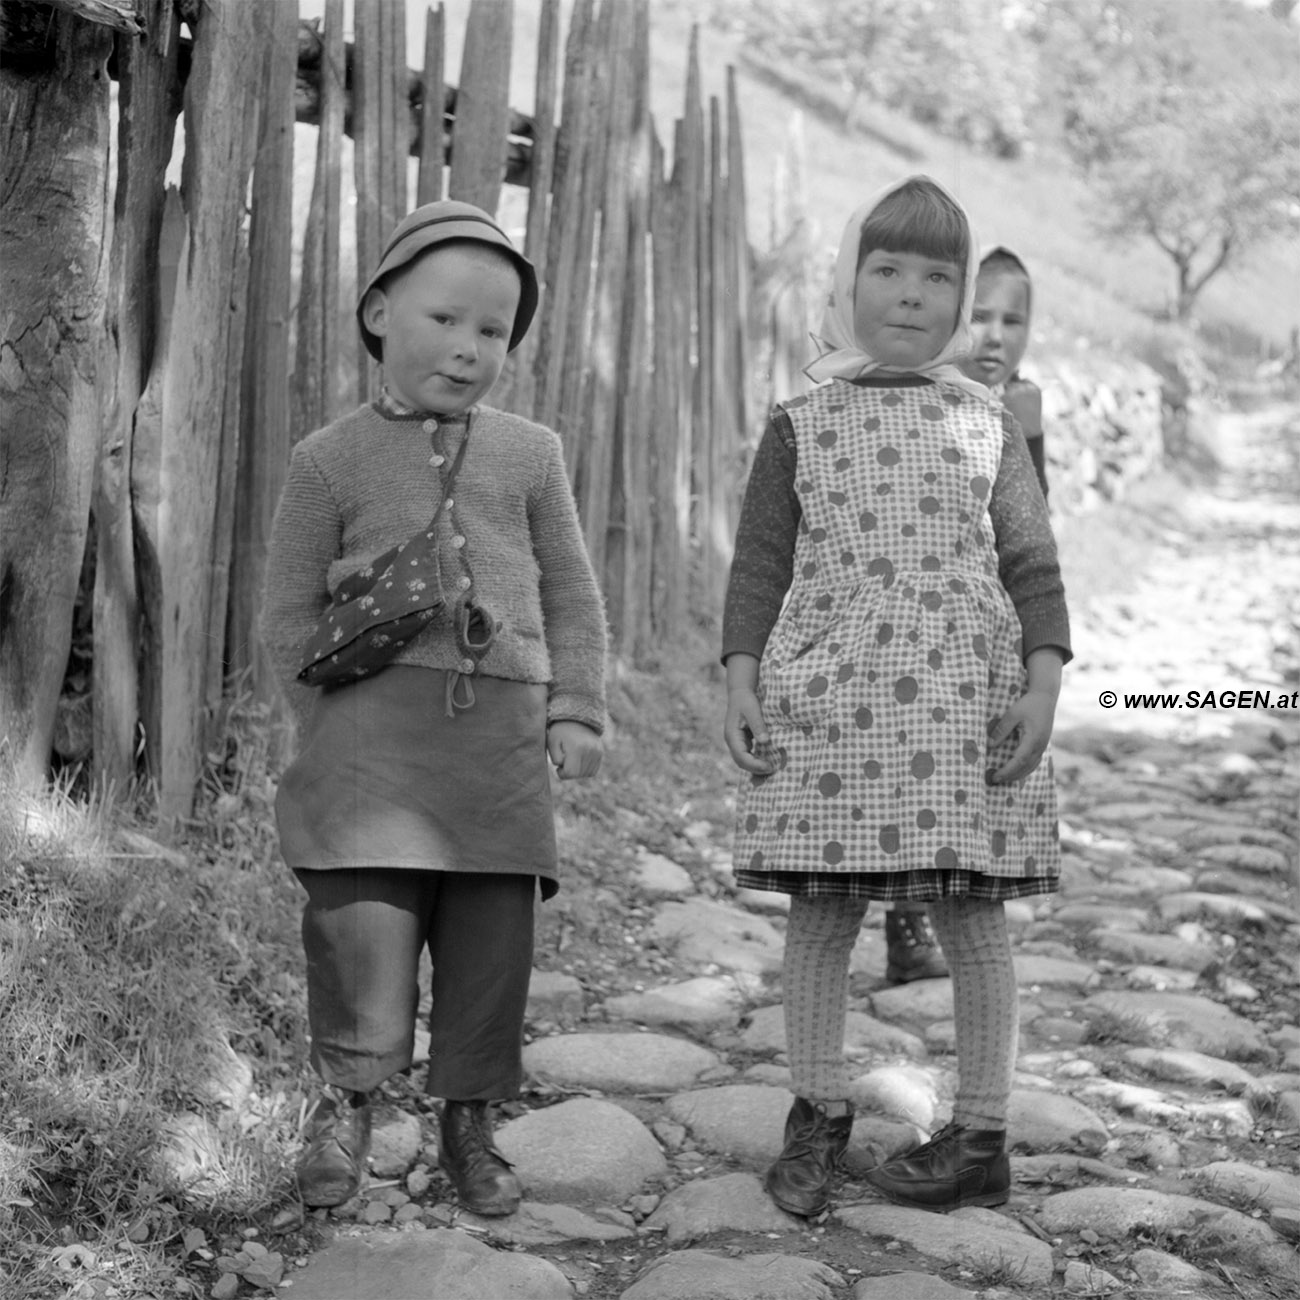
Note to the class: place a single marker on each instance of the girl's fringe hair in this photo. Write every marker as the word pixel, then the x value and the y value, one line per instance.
pixel 918 217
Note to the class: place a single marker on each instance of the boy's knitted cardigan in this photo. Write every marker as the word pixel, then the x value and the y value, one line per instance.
pixel 510 539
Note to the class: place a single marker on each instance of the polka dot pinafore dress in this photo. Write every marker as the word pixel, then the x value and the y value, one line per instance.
pixel 896 651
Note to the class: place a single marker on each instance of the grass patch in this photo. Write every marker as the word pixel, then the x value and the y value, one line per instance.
pixel 151 1000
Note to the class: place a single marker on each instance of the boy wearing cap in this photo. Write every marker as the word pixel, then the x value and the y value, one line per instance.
pixel 417 812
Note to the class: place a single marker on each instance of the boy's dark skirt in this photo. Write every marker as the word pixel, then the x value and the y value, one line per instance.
pixel 384 778
pixel 412 829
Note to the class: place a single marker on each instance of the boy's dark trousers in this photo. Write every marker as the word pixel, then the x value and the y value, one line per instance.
pixel 363 930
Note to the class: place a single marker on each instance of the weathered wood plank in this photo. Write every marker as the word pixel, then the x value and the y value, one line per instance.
pixel 53 287
pixel 119 15
pixel 220 102
pixel 147 107
pixel 316 365
pixel 521 394
pixel 574 371
pixel 722 448
pixel 394 116
pixel 631 526
pixel 670 517
pixel 367 135
pixel 478 148
pixel 432 142
pixel 741 263
pixel 520 128
pixel 612 172
pixel 263 446
pixel 261 680
pixel 565 250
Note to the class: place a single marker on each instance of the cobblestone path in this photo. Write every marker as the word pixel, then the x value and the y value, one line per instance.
pixel 1156 1114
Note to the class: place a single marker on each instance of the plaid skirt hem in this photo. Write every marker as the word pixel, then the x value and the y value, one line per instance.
pixel 898 886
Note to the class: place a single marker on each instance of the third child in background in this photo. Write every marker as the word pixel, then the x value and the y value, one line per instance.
pixel 1000 334
pixel 1000 329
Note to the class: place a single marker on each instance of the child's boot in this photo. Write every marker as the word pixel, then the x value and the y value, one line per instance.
pixel 911 949
pixel 338 1141
pixel 482 1176
pixel 958 1166
pixel 800 1180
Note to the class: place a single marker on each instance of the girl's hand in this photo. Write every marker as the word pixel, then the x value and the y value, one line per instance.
pixel 574 748
pixel 746 732
pixel 1033 714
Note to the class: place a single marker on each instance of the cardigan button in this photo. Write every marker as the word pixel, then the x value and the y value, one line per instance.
pixel 435 461
pixel 448 503
pixel 430 426
pixel 458 541
pixel 467 665
pixel 463 584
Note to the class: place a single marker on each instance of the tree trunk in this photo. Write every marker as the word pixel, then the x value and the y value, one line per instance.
pixel 54 129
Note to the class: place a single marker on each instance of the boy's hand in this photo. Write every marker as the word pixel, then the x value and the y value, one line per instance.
pixel 574 748
pixel 746 733
pixel 1033 713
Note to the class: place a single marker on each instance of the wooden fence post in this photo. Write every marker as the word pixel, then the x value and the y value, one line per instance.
pixel 147 109
pixel 367 145
pixel 395 117
pixel 671 515
pixel 478 147
pixel 628 566
pixel 595 427
pixel 433 140
pixel 263 447
pixel 316 366
pixel 568 246
pixel 53 284
pixel 520 395
pixel 187 391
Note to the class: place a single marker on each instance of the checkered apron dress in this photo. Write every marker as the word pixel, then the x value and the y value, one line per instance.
pixel 897 650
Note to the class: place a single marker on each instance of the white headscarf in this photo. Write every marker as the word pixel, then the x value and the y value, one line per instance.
pixel 1007 251
pixel 841 355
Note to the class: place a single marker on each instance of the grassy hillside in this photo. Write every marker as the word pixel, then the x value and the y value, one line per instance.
pixel 1090 294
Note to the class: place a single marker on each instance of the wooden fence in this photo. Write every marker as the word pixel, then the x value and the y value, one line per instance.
pixel 640 355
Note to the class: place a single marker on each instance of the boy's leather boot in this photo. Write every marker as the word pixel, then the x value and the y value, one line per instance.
pixel 911 950
pixel 800 1180
pixel 480 1173
pixel 330 1168
pixel 958 1166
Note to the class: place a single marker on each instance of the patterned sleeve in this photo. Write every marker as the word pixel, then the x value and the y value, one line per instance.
pixel 572 608
pixel 1025 401
pixel 763 565
pixel 305 541
pixel 1027 563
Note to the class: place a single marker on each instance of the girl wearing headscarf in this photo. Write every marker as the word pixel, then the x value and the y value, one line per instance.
pixel 1000 335
pixel 894 633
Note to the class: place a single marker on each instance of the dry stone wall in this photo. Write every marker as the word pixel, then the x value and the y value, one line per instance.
pixel 1103 422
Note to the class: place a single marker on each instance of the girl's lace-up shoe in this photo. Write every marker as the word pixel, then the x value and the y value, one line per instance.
pixel 330 1169
pixel 911 950
pixel 483 1177
pixel 800 1180
pixel 958 1166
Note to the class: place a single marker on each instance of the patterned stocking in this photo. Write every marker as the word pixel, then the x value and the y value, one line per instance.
pixel 987 1007
pixel 818 941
